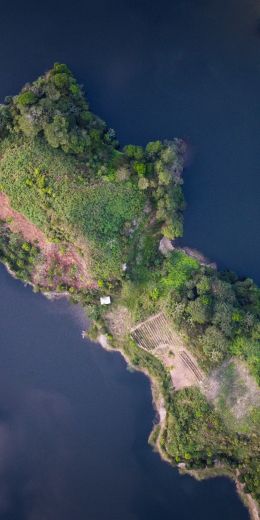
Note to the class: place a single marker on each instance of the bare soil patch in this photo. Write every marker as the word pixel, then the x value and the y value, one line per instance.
pixel 120 322
pixel 235 387
pixel 60 263
pixel 156 336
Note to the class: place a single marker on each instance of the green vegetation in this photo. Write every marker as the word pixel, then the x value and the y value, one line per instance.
pixel 218 316
pixel 54 106
pixel 21 257
pixel 217 313
pixel 197 435
pixel 54 191
pixel 61 167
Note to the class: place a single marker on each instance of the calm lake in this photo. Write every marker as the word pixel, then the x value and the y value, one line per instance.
pixel 74 425
pixel 73 421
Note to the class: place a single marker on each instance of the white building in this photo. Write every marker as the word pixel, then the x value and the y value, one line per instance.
pixel 105 300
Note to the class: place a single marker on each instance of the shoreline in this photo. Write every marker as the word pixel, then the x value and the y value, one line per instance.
pixel 160 414
pixel 158 429
pixel 157 398
pixel 89 213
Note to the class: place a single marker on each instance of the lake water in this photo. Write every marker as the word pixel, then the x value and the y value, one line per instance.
pixel 74 422
pixel 74 425
pixel 188 68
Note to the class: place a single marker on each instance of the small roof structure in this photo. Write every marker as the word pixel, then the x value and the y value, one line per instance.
pixel 105 300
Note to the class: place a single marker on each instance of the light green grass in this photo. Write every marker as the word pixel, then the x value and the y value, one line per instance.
pixel 57 193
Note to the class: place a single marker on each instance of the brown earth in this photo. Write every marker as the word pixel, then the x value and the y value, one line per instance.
pixel 119 321
pixel 167 346
pixel 240 391
pixel 60 263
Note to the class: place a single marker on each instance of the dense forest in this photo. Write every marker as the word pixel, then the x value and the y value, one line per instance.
pixel 62 168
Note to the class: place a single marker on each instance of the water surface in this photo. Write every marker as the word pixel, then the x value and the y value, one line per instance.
pixel 73 422
pixel 187 68
pixel 74 425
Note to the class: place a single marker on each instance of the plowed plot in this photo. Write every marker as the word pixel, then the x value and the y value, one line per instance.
pixel 156 336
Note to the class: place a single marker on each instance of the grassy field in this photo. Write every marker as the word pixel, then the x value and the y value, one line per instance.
pixel 56 192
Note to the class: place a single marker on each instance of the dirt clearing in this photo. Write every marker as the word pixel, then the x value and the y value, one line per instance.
pixel 156 336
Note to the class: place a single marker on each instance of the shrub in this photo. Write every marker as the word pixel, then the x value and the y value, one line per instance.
pixel 26 98
pixel 143 183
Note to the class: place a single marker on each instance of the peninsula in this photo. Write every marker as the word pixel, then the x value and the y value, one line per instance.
pixel 81 217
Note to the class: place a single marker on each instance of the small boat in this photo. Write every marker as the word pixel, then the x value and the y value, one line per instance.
pixel 83 334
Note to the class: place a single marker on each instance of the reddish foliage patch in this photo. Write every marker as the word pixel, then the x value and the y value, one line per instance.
pixel 61 263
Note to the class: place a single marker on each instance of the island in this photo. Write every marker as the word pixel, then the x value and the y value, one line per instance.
pixel 82 217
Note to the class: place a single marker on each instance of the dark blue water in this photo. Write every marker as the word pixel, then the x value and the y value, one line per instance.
pixel 74 425
pixel 153 69
pixel 73 422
